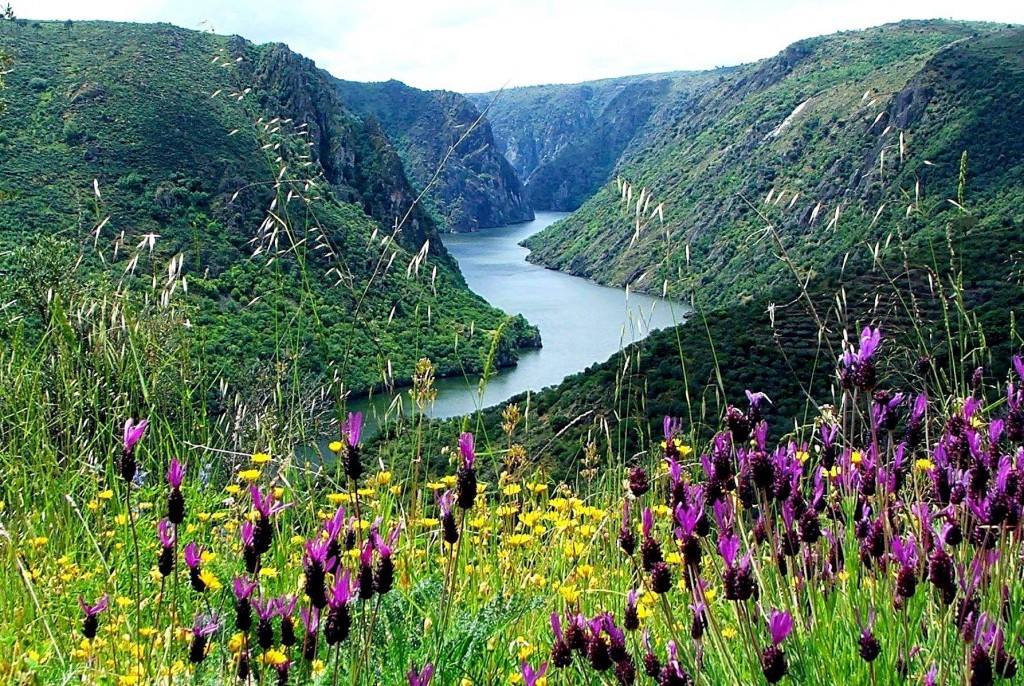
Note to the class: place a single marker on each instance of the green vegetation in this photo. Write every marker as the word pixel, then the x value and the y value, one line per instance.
pixel 849 549
pixel 170 159
pixel 440 130
pixel 832 140
pixel 564 140
pixel 211 267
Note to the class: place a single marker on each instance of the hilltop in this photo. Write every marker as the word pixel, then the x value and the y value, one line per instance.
pixel 158 155
pixel 443 133
pixel 565 140
pixel 834 141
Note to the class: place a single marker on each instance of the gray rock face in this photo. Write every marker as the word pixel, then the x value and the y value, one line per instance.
pixel 448 149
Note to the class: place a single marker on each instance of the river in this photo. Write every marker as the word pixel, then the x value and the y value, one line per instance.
pixel 580 322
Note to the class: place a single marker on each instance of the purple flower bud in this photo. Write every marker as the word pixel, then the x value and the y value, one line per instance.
pixel 418 678
pixel 243 587
pixel 353 428
pixel 531 677
pixel 193 555
pixel 133 432
pixel 780 624
pixel 466 448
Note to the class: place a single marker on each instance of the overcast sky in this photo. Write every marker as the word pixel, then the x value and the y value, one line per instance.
pixel 479 45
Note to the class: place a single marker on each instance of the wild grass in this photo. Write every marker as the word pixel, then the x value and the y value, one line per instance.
pixel 875 537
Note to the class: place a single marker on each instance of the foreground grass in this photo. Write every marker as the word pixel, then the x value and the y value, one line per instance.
pixel 887 532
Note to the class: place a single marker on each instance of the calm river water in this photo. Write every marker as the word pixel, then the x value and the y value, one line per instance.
pixel 580 322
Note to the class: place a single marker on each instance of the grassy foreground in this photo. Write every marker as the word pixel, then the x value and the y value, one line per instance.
pixel 878 543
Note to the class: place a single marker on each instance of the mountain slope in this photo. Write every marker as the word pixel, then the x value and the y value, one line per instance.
pixel 237 168
pixel 476 188
pixel 856 126
pixel 564 140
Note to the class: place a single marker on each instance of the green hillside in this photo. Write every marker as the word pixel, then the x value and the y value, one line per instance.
pixel 564 140
pixel 234 169
pixel 475 187
pixel 831 140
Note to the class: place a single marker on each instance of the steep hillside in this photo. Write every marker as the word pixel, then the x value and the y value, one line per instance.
pixel 238 169
pixel 476 188
pixel 564 140
pixel 831 140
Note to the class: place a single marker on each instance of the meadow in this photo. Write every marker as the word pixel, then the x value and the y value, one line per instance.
pixel 876 542
pixel 160 524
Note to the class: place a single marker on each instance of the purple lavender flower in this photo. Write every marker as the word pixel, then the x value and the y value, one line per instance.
pixel 316 562
pixel 243 607
pixel 639 483
pixel 650 549
pixel 128 467
pixel 352 459
pixel 365 579
pixel 688 517
pixel 561 653
pixel 267 507
pixel 175 500
pixel 465 477
pixel 175 473
pixel 311 620
pixel 756 402
pixel 339 620
pixel 449 527
pixel 858 368
pixel 738 579
pixel 265 609
pixel 353 428
pixel 194 560
pixel 384 578
pixel 202 628
pixel 193 555
pixel 884 409
pixel 531 677
pixel 828 446
pixel 243 587
pixel 631 617
pixel 673 672
pixel 133 433
pixel 869 646
pixel 250 555
pixel 773 659
pixel 166 533
pixel 91 620
pixel 420 678
pixel 285 607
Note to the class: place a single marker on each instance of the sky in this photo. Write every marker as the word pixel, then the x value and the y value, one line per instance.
pixel 475 45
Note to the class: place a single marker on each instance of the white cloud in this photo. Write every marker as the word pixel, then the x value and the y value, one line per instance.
pixel 469 45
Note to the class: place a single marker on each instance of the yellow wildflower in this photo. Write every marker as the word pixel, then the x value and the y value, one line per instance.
pixel 260 458
pixel 211 580
pixel 516 540
pixel 334 446
pixel 273 657
pixel 570 593
pixel 249 474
